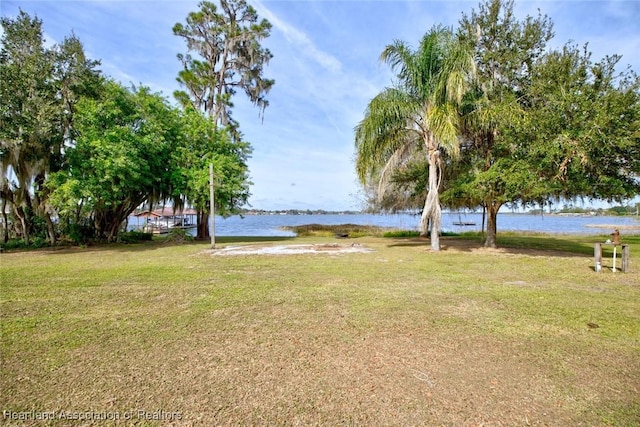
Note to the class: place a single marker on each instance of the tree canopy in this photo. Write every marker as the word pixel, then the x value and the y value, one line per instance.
pixel 530 134
pixel 417 118
pixel 204 144
pixel 535 125
pixel 80 152
pixel 224 55
pixel 39 88
pixel 120 156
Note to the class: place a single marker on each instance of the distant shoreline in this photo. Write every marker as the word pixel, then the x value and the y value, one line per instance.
pixel 614 226
pixel 349 212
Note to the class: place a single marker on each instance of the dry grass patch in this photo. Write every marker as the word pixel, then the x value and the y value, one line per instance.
pixel 289 249
pixel 399 336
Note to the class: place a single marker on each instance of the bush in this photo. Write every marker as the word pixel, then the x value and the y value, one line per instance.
pixel 178 235
pixel 325 230
pixel 81 233
pixel 13 244
pixel 38 242
pixel 135 237
pixel 414 233
pixel 402 233
pixel 35 243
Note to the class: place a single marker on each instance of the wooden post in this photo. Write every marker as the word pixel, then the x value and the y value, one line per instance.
pixel 625 258
pixel 597 254
pixel 212 207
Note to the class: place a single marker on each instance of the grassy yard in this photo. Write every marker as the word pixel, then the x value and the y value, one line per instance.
pixel 171 335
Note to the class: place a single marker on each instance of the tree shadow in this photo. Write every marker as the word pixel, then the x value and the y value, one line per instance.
pixel 405 242
pixel 527 245
pixel 151 245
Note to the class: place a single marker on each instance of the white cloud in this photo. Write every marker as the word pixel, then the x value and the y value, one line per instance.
pixel 299 39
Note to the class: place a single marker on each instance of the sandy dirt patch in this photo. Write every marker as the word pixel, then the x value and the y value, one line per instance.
pixel 289 249
pixel 615 226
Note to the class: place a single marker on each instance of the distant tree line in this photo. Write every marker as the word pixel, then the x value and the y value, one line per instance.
pixel 80 152
pixel 486 115
pixel 614 210
pixel 296 212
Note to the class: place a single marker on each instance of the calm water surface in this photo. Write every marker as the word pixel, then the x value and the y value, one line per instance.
pixel 269 225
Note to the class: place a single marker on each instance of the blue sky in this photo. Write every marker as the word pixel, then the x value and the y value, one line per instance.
pixel 325 66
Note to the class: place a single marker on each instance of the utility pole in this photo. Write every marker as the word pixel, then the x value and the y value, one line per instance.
pixel 212 207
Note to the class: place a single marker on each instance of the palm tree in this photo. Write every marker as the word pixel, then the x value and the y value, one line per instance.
pixel 418 116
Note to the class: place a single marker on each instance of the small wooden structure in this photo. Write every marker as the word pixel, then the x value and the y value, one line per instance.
pixel 616 237
pixel 625 258
pixel 160 221
pixel 597 253
pixel 462 223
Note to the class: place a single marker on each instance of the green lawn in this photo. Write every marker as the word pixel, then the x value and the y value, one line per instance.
pixel 524 335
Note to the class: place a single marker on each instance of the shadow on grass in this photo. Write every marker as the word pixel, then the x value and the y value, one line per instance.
pixel 565 246
pixel 534 245
pixel 157 243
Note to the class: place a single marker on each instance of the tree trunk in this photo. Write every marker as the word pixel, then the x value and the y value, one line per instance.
pixel 424 221
pixel 107 225
pixel 50 228
pixel 492 227
pixel 424 218
pixel 25 232
pixel 432 212
pixel 114 230
pixel 21 214
pixel 203 225
pixel 40 206
pixel 436 225
pixel 5 220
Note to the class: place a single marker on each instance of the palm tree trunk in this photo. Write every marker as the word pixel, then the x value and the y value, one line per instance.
pixel 432 212
pixel 424 221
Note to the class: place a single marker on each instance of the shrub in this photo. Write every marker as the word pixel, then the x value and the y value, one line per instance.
pixel 402 233
pixel 326 230
pixel 81 233
pixel 178 235
pixel 135 237
pixel 35 243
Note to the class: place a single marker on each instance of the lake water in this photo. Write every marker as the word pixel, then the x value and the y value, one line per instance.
pixel 269 225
